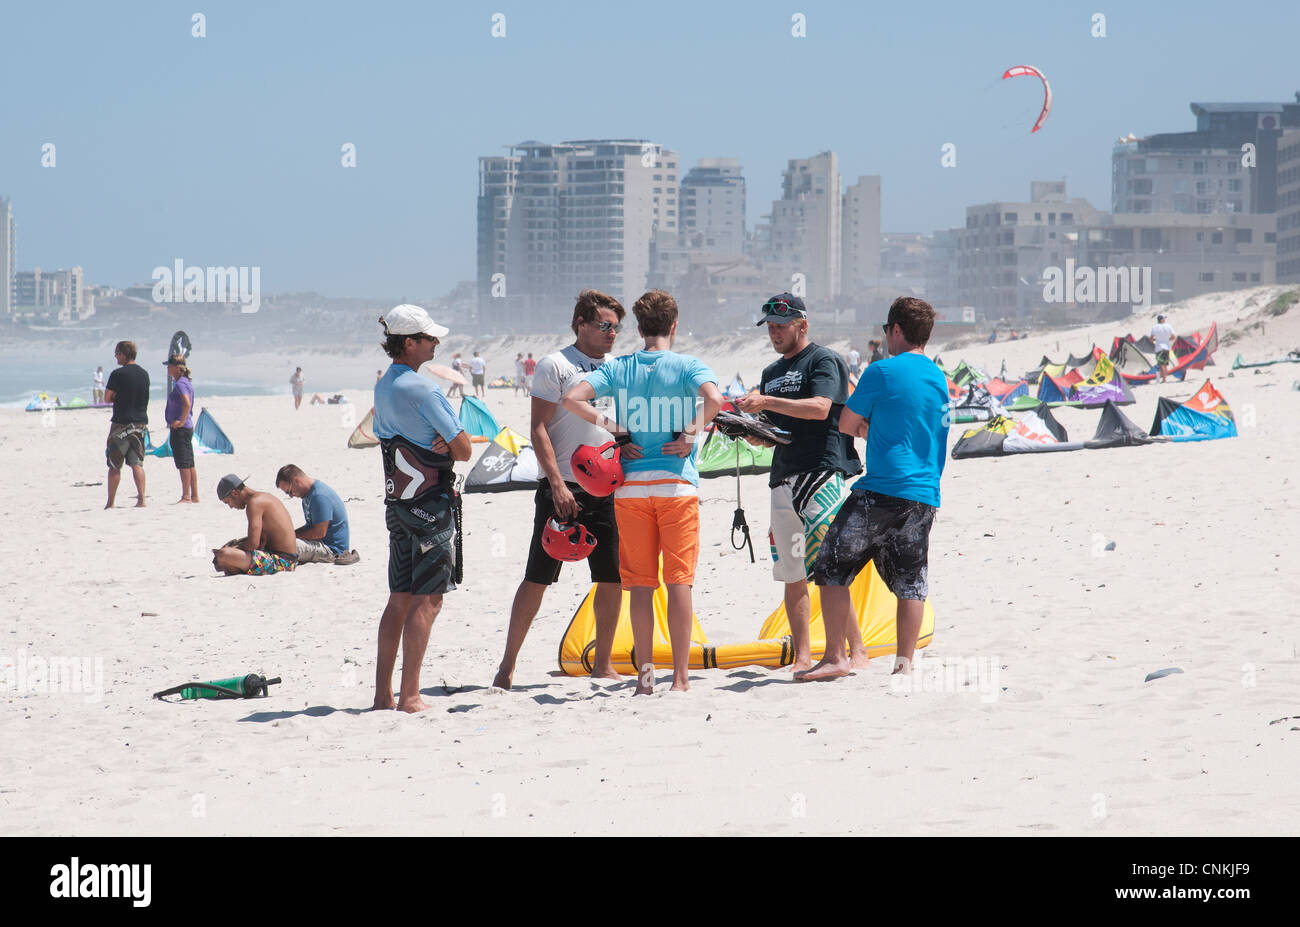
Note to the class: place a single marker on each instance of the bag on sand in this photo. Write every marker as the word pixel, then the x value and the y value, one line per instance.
pixel 250 686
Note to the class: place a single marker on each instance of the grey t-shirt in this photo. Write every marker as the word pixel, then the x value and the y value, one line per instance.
pixel 555 373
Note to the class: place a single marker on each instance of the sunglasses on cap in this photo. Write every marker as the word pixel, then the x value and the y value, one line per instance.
pixel 607 327
pixel 782 308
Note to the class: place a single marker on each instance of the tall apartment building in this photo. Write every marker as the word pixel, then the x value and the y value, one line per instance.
pixel 1202 172
pixel 803 235
pixel 555 219
pixel 941 271
pixel 712 207
pixel 8 256
pixel 860 237
pixel 1006 247
pixel 1288 207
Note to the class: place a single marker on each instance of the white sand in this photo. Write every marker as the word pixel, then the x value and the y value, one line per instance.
pixel 1067 739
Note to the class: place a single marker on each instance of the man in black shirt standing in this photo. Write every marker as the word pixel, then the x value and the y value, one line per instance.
pixel 128 391
pixel 803 392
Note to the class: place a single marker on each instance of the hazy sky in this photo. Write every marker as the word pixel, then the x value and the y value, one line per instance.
pixel 226 149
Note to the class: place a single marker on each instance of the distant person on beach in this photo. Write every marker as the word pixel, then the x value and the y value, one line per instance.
pixel 128 391
pixel 97 387
pixel 877 354
pixel 420 438
pixel 269 547
pixel 530 368
pixel 1162 333
pixel 478 371
pixel 804 392
pixel 180 419
pixel 519 373
pixel 556 434
pixel 855 361
pixel 459 366
pixel 296 382
pixel 324 536
pixel 379 375
pixel 993 336
pixel 900 408
pixel 657 508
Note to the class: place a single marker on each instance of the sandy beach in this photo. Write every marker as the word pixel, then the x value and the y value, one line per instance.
pixel 1057 733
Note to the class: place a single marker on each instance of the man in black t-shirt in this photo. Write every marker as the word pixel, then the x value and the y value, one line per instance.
pixel 804 392
pixel 128 390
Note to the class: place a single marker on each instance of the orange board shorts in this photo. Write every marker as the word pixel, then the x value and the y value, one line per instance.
pixel 653 526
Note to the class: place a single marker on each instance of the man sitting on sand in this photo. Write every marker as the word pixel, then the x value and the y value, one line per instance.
pixel 267 548
pixel 324 537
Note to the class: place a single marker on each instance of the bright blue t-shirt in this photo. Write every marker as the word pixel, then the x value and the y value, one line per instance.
pixel 654 396
pixel 414 407
pixel 323 504
pixel 905 399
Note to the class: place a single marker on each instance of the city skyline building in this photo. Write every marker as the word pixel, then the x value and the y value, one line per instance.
pixel 1288 207
pixel 712 207
pixel 8 256
pixel 860 237
pixel 803 235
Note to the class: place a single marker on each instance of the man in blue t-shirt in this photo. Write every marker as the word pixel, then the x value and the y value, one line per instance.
pixel 420 438
pixel 323 538
pixel 657 509
pixel 900 407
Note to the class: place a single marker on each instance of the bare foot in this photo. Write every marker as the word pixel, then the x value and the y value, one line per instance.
pixel 504 679
pixel 860 661
pixel 607 672
pixel 140 504
pixel 682 686
pixel 179 501
pixel 824 671
pixel 108 505
pixel 411 706
pixel 644 690
pixel 801 666
pixel 384 703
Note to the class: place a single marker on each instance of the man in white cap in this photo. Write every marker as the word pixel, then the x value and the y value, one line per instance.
pixel 421 439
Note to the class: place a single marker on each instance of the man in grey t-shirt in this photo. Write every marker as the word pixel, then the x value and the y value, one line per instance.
pixel 556 434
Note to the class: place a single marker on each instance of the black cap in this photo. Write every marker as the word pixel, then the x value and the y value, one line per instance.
pixel 783 308
pixel 228 484
pixel 178 359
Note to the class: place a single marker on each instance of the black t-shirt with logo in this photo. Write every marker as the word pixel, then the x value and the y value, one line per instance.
pixel 130 386
pixel 817 444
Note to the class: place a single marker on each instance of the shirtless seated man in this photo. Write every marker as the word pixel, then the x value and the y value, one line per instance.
pixel 270 546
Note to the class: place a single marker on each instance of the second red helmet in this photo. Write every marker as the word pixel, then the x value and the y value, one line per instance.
pixel 598 470
pixel 567 541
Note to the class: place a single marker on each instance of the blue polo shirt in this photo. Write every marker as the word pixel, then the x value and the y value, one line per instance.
pixel 414 407
pixel 905 400
pixel 322 504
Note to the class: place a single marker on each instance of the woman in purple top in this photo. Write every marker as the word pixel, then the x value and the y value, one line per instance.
pixel 180 418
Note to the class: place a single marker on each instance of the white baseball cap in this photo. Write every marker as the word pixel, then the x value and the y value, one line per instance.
pixel 411 320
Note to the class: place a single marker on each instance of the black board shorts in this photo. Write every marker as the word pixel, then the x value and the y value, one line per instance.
pixel 893 532
pixel 182 442
pixel 597 515
pixel 422 548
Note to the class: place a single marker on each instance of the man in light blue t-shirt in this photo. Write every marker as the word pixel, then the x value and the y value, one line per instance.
pixel 900 407
pixel 420 438
pixel 657 508
pixel 324 537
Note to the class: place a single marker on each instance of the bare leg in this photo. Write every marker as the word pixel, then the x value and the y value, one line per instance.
pixel 680 613
pixel 415 640
pixel 642 609
pixel 528 599
pixel 837 613
pixel 910 614
pixel 194 483
pixel 138 472
pixel 798 609
pixel 390 636
pixel 114 477
pixel 609 603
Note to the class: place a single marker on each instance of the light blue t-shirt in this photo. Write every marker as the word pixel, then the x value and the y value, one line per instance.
pixel 905 399
pixel 654 396
pixel 323 504
pixel 414 407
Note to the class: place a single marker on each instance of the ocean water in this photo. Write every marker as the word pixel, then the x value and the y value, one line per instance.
pixel 22 380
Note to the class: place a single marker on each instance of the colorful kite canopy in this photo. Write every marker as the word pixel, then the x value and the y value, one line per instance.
pixel 1024 70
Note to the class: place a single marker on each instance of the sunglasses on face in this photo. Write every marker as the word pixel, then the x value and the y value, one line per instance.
pixel 887 326
pixel 607 327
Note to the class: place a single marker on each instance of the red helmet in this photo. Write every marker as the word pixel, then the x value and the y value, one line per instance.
pixel 597 469
pixel 568 541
